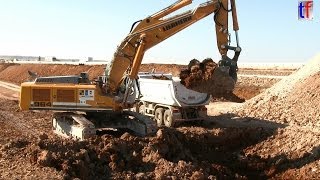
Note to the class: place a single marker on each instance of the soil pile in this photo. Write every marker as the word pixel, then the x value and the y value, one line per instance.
pixel 19 73
pixel 174 69
pixel 5 65
pixel 186 153
pixel 293 100
pixel 291 153
pixel 206 77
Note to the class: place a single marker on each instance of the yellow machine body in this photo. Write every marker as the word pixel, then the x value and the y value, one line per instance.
pixel 82 97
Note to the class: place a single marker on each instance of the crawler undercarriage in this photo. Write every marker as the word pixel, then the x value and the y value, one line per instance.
pixel 81 126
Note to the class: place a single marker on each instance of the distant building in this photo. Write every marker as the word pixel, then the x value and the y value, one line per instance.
pixel 86 59
pixel 89 59
pixel 50 58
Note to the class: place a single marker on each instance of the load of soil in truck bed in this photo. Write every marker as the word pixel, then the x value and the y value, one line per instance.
pixel 207 77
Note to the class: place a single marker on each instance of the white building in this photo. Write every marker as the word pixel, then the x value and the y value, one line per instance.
pixel 50 58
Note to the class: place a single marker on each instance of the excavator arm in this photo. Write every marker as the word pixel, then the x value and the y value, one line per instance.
pixel 156 28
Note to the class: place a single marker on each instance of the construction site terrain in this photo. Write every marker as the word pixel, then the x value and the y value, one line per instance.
pixel 270 131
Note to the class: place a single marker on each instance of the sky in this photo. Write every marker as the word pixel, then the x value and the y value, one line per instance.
pixel 269 30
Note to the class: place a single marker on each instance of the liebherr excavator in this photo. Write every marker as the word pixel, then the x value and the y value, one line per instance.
pixel 84 107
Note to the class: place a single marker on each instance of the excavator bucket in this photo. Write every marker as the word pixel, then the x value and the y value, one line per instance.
pixel 208 77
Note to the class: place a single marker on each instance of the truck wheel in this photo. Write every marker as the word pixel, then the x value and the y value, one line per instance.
pixel 158 116
pixel 167 118
pixel 142 109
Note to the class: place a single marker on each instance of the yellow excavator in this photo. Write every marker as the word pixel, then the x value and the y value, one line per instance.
pixel 84 107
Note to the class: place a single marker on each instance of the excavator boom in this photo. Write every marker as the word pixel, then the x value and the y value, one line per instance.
pixel 156 28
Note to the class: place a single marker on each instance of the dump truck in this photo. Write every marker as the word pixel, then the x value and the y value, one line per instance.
pixel 167 101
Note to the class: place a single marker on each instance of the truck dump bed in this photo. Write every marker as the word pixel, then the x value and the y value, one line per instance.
pixel 171 92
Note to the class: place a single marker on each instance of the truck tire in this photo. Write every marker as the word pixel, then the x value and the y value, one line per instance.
pixel 168 119
pixel 142 109
pixel 158 116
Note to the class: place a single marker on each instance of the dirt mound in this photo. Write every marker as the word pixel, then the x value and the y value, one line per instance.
pixel 292 153
pixel 187 153
pixel 19 73
pixel 174 69
pixel 293 100
pixel 271 71
pixel 5 65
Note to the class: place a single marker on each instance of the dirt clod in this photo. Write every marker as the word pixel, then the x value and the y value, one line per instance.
pixel 44 158
pixel 43 136
pixel 197 176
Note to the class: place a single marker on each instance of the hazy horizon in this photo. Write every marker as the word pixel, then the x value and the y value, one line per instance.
pixel 269 31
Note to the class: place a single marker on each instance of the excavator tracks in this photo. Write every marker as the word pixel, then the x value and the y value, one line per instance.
pixel 83 126
pixel 142 120
pixel 72 125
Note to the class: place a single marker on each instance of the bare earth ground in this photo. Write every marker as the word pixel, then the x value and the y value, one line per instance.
pixel 227 146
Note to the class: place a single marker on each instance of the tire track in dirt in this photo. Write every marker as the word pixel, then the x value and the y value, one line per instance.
pixel 9 91
pixel 10 86
pixel 261 76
